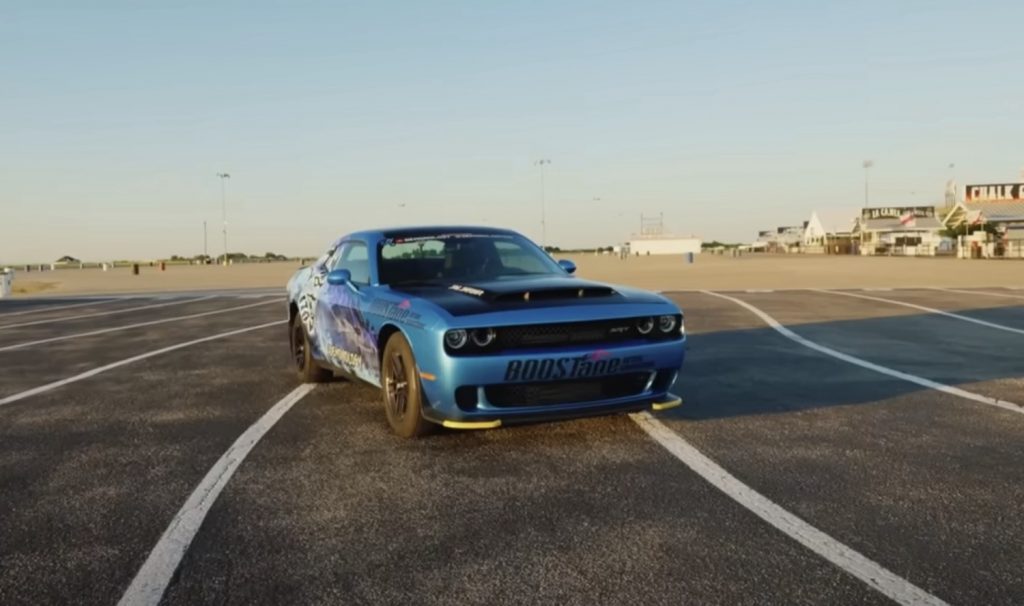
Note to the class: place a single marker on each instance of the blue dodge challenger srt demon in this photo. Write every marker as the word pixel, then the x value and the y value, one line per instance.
pixel 474 327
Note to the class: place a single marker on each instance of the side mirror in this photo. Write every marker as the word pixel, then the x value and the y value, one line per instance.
pixel 337 277
pixel 567 265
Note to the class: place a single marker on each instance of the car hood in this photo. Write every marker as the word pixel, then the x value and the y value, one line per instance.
pixel 465 298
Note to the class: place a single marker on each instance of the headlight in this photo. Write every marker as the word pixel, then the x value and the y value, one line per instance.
pixel 482 337
pixel 645 325
pixel 666 324
pixel 456 339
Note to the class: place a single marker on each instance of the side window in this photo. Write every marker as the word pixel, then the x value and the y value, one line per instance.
pixel 330 258
pixel 355 257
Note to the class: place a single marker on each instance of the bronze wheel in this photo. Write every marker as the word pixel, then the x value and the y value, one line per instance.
pixel 403 396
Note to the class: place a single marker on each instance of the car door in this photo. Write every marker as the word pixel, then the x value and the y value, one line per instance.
pixel 344 335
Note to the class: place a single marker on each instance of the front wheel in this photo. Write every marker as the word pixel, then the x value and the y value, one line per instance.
pixel 403 397
pixel 302 354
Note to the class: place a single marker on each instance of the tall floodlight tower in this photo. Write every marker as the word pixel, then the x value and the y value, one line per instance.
pixel 224 210
pixel 867 167
pixel 543 213
pixel 951 187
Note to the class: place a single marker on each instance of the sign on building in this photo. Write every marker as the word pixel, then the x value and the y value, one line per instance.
pixel 897 212
pixel 997 192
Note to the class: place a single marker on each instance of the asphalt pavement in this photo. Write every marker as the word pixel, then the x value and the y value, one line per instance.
pixel 329 507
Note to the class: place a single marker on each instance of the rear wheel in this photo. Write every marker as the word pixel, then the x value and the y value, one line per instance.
pixel 403 396
pixel 302 354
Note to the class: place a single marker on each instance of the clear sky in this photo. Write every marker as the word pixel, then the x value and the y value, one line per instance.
pixel 728 117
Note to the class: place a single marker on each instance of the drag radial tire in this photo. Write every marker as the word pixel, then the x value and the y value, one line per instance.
pixel 302 354
pixel 403 395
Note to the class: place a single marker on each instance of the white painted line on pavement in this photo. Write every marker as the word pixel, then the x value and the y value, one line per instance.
pixel 930 310
pixel 105 313
pixel 102 331
pixel 789 334
pixel 43 307
pixel 979 292
pixel 151 581
pixel 870 572
pixel 156 352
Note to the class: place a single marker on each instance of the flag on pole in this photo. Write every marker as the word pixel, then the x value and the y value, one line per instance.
pixel 907 219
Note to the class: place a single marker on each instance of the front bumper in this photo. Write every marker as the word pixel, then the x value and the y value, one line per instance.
pixel 481 391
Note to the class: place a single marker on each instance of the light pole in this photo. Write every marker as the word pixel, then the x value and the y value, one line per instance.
pixel 867 166
pixel 205 251
pixel 224 210
pixel 543 215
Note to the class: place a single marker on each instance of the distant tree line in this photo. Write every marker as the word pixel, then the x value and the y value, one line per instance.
pixel 557 249
pixel 235 257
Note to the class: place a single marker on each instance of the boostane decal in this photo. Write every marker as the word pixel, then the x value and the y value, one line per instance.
pixel 595 364
pixel 575 367
pixel 346 357
pixel 400 312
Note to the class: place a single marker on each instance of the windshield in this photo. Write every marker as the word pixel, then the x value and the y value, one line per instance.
pixel 462 257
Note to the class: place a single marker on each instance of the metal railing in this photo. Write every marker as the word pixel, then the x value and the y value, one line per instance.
pixel 993 249
pixel 1008 249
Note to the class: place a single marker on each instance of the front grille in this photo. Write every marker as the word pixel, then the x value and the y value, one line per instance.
pixel 574 391
pixel 571 333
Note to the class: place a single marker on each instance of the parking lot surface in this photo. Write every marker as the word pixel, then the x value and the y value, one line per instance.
pixel 849 414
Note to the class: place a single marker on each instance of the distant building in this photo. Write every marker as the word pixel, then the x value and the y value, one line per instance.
pixel 664 245
pixel 654 239
pixel 788 238
pixel 67 260
pixel 900 230
pixel 757 246
pixel 993 216
pixel 830 231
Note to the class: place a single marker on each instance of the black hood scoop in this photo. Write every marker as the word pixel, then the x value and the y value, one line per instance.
pixel 545 294
pixel 465 298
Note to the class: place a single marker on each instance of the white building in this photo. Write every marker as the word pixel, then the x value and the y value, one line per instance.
pixel 664 245
pixel 829 222
pixel 788 238
pixel 904 230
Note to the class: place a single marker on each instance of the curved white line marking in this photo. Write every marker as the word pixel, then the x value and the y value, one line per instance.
pixel 870 572
pixel 44 308
pixel 930 310
pixel 156 352
pixel 102 331
pixel 789 334
pixel 151 581
pixel 978 292
pixel 105 313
